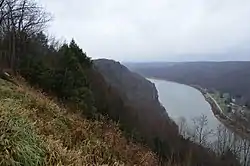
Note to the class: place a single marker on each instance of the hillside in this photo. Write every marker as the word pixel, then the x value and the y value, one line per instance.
pixel 151 120
pixel 36 130
pixel 135 87
pixel 231 77
pixel 142 96
pixel 69 112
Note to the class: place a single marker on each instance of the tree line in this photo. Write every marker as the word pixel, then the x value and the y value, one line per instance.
pixel 26 50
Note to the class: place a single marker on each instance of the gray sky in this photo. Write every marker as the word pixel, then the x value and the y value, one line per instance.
pixel 155 30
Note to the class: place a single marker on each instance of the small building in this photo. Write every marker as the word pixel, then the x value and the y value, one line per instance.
pixel 233 111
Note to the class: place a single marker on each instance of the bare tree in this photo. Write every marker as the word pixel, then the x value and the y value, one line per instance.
pixel 24 15
pixel 224 141
pixel 230 141
pixel 55 42
pixel 20 19
pixel 183 127
pixel 2 10
pixel 201 131
pixel 245 152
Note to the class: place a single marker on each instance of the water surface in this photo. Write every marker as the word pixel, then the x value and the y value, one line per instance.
pixel 184 101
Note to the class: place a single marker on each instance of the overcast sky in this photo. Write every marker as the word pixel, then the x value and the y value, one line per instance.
pixel 155 30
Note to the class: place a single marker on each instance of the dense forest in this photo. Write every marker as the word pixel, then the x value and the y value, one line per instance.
pixel 65 72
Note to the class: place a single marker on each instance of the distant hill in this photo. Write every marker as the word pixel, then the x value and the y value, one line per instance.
pixel 134 65
pixel 232 77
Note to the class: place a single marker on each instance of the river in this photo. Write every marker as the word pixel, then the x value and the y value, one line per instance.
pixel 185 102
pixel 182 101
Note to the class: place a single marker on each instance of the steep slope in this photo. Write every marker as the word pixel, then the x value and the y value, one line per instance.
pixel 144 113
pixel 139 94
pixel 36 130
pixel 135 87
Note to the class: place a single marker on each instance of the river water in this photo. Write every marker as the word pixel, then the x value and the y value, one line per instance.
pixel 182 101
pixel 185 102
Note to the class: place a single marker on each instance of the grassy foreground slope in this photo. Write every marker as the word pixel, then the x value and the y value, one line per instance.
pixel 35 130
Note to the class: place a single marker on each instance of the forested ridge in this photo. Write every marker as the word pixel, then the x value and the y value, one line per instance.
pixel 60 97
pixel 228 77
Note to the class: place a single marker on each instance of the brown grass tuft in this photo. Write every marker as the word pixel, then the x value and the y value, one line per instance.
pixel 36 130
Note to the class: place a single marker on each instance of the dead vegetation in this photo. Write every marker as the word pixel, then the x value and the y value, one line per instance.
pixel 35 130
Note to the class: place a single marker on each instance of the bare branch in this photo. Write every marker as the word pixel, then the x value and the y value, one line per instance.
pixel 19 20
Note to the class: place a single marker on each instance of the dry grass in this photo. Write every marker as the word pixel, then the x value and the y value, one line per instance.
pixel 35 130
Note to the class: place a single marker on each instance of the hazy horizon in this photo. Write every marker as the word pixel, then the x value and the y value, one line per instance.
pixel 162 30
pixel 153 61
